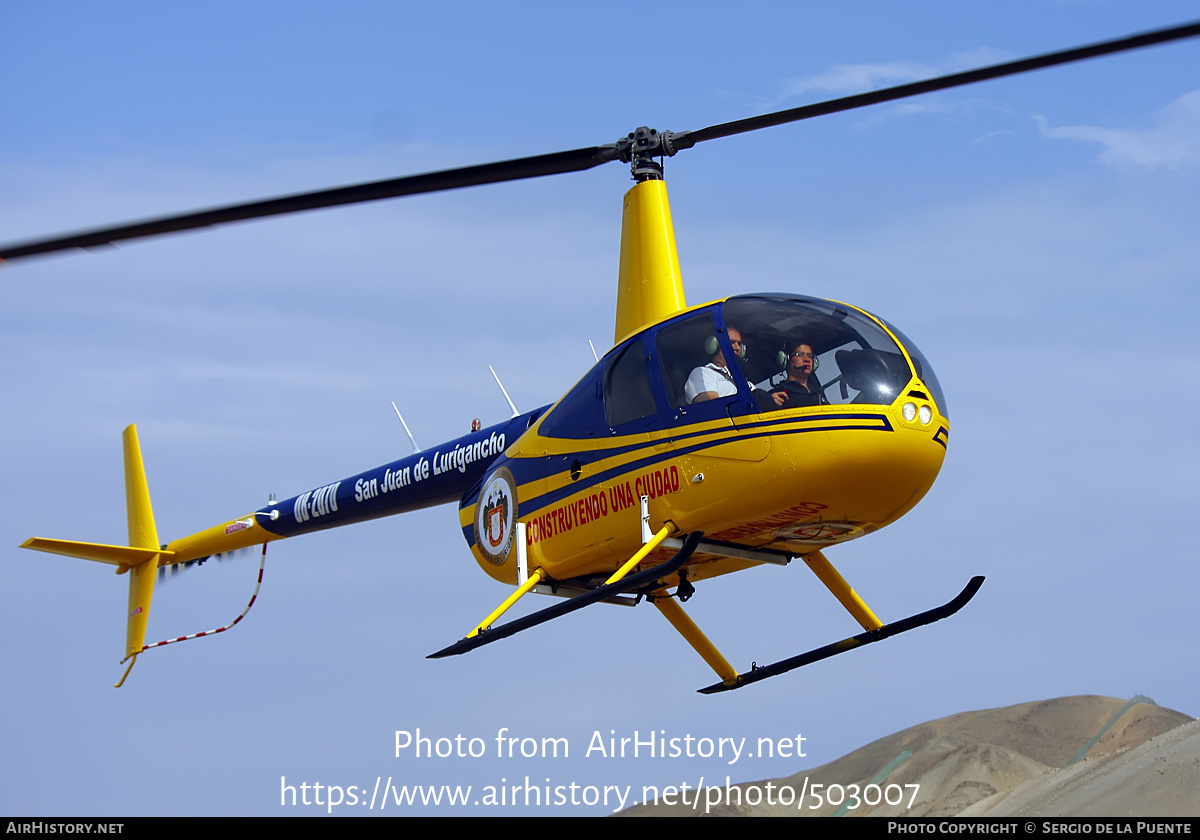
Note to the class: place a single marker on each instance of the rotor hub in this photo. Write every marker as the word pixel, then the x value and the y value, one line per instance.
pixel 640 148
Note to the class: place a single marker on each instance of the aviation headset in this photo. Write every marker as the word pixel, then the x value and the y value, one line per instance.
pixel 711 346
pixel 785 354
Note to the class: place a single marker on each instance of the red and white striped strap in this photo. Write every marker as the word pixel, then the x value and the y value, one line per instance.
pixel 261 564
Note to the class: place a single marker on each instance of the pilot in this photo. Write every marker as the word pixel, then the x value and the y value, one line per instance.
pixel 713 380
pixel 801 387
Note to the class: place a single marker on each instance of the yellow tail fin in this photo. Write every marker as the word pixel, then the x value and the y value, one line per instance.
pixel 140 557
pixel 142 534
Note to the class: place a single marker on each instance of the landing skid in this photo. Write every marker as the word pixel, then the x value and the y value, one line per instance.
pixel 877 635
pixel 649 579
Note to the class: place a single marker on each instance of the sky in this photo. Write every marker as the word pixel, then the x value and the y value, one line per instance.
pixel 1035 236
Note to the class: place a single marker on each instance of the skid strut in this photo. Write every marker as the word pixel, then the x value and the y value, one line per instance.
pixel 620 584
pixel 877 635
pixel 875 629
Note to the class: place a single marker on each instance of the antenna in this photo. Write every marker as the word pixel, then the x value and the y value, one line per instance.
pixel 411 439
pixel 593 346
pixel 515 413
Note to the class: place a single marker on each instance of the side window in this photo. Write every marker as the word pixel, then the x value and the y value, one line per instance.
pixel 627 392
pixel 578 415
pixel 683 347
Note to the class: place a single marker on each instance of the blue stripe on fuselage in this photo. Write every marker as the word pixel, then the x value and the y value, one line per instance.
pixel 431 477
pixel 526 470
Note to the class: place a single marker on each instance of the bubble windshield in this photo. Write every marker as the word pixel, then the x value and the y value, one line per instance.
pixel 924 369
pixel 817 352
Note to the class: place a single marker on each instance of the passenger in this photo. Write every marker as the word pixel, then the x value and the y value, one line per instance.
pixel 713 380
pixel 801 387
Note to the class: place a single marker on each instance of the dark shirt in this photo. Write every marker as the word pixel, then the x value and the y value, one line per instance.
pixel 799 396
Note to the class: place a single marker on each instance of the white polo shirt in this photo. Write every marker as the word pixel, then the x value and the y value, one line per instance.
pixel 709 377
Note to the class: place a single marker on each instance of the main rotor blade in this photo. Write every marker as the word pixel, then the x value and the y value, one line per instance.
pixel 571 161
pixel 686 139
pixel 448 179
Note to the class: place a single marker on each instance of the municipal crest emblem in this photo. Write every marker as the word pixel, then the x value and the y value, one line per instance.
pixel 496 516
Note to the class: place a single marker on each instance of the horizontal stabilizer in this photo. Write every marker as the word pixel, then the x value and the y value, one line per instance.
pixel 114 555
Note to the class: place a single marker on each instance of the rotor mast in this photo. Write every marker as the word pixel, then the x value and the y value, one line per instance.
pixel 650 286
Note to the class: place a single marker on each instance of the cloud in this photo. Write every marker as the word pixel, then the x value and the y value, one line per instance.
pixel 1173 141
pixel 858 78
pixel 852 78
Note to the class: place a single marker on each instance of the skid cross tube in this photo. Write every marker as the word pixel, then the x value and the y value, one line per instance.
pixel 627 584
pixel 887 630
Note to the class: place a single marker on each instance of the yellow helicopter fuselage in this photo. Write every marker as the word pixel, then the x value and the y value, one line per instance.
pixel 751 474
pixel 641 446
pixel 793 482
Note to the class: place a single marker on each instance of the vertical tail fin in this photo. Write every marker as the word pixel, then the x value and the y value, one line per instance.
pixel 140 557
pixel 142 534
pixel 143 557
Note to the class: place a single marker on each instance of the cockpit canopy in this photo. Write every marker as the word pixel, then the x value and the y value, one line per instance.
pixel 729 359
pixel 856 361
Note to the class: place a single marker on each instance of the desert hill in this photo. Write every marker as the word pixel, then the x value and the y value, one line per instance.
pixel 1072 756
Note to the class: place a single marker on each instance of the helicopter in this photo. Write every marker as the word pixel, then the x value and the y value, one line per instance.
pixel 627 471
